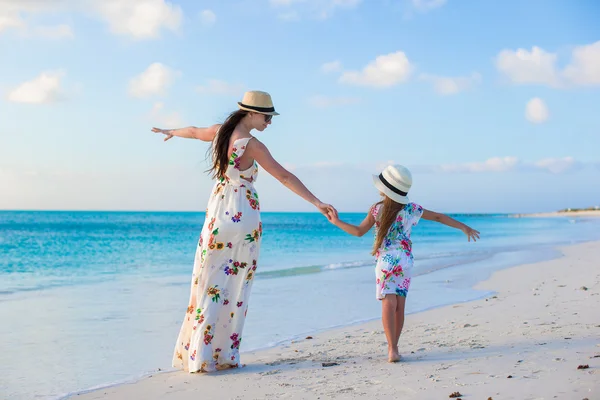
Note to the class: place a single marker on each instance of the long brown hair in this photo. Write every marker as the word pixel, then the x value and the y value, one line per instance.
pixel 387 215
pixel 219 147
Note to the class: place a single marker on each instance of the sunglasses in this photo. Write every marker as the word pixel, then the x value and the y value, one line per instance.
pixel 268 118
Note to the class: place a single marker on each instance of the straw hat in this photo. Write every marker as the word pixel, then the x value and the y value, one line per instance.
pixel 395 182
pixel 258 102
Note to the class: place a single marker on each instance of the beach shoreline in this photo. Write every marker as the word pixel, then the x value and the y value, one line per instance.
pixel 469 347
pixel 562 214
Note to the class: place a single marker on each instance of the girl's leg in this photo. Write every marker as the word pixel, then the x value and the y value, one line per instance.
pixel 388 315
pixel 399 318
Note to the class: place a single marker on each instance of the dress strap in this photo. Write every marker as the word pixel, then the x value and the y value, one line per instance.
pixel 239 145
pixel 375 208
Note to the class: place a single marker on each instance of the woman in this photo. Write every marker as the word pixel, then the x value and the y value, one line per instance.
pixel 227 253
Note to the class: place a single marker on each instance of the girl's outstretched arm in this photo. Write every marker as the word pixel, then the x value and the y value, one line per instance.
pixel 355 230
pixel 451 222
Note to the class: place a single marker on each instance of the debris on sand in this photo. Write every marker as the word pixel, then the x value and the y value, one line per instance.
pixel 509 377
pixel 455 395
pixel 309 337
pixel 583 366
pixel 329 364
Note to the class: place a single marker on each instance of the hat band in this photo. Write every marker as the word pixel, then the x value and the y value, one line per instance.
pixel 392 188
pixel 258 109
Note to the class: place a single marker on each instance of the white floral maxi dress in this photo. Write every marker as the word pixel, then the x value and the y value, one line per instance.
pixel 224 268
pixel 393 270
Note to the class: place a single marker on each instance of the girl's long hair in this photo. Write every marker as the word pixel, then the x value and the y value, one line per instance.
pixel 387 215
pixel 219 147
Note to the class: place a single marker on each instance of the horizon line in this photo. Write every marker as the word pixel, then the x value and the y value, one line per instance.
pixel 272 212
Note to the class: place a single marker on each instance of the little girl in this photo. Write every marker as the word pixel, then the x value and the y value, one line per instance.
pixel 394 218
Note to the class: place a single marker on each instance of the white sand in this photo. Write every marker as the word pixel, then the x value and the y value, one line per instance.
pixel 571 214
pixel 538 329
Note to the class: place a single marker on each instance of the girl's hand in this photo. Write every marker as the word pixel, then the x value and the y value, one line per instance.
pixel 164 132
pixel 333 217
pixel 471 233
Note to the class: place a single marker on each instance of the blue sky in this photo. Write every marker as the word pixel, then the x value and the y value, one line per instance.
pixel 493 105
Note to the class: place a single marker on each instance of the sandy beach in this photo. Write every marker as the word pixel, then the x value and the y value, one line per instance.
pixel 570 214
pixel 525 340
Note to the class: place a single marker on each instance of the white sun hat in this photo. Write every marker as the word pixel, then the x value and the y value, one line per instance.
pixel 258 102
pixel 395 182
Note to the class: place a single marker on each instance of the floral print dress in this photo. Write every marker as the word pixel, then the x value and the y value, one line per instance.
pixel 224 268
pixel 394 258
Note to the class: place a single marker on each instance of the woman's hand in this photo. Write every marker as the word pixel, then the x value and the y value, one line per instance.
pixel 327 210
pixel 471 233
pixel 164 132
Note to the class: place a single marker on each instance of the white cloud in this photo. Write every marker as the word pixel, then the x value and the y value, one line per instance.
pixel 13 13
pixel 386 71
pixel 153 81
pixel 44 89
pixel 427 5
pixel 10 21
pixel 333 66
pixel 208 18
pixel 326 102
pixel 508 164
pixel 538 67
pixel 536 111
pixel 584 68
pixel 452 85
pixel 559 165
pixel 522 66
pixel 215 86
pixel 140 19
pixel 495 164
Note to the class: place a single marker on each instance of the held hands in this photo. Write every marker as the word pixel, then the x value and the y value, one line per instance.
pixel 333 217
pixel 164 132
pixel 471 233
pixel 327 210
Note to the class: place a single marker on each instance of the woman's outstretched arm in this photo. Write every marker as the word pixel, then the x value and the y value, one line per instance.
pixel 190 132
pixel 259 152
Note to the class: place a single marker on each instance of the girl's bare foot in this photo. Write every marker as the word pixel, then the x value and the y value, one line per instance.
pixel 393 356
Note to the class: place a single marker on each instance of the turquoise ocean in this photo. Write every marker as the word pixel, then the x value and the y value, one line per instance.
pixel 89 299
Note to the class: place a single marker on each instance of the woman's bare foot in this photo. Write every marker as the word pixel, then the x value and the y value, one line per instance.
pixel 223 367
